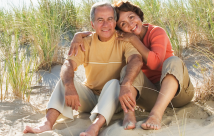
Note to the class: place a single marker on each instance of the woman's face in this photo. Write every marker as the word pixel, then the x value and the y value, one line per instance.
pixel 130 22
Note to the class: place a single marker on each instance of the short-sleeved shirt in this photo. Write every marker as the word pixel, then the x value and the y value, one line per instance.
pixel 103 61
pixel 157 41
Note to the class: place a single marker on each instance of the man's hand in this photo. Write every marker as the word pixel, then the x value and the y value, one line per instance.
pixel 72 97
pixel 126 99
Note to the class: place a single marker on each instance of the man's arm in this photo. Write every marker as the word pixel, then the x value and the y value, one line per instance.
pixel 133 68
pixel 67 76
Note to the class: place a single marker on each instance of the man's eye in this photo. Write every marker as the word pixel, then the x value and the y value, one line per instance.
pixel 131 17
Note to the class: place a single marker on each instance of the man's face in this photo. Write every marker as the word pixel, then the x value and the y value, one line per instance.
pixel 104 23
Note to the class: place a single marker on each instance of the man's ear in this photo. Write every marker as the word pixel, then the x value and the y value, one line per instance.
pixel 92 24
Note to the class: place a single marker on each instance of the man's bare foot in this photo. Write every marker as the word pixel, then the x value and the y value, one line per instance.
pixel 152 123
pixel 129 120
pixel 40 129
pixel 93 130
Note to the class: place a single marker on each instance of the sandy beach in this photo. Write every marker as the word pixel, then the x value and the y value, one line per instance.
pixel 193 119
pixel 35 36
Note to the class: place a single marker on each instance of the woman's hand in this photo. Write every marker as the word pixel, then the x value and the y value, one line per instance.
pixel 76 42
pixel 123 36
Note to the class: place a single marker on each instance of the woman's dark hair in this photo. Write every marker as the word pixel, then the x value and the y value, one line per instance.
pixel 126 6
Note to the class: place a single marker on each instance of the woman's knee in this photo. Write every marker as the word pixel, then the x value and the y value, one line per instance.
pixel 173 66
pixel 172 62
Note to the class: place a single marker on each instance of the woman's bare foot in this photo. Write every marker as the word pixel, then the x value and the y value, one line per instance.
pixel 93 130
pixel 152 123
pixel 129 120
pixel 40 129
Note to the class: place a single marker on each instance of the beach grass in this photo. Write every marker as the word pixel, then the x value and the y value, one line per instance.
pixel 44 25
pixel 38 30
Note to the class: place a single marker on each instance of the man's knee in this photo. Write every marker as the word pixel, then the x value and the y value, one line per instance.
pixel 111 88
pixel 113 83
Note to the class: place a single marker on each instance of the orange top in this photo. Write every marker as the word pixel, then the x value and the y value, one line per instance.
pixel 157 41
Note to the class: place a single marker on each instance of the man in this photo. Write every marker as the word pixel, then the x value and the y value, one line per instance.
pixel 103 59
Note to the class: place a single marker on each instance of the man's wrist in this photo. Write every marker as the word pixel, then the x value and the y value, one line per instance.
pixel 126 83
pixel 69 88
pixel 68 85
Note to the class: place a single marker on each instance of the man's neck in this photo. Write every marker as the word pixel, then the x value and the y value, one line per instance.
pixel 105 40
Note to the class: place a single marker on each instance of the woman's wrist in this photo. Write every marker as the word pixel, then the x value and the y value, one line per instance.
pixel 78 34
pixel 133 39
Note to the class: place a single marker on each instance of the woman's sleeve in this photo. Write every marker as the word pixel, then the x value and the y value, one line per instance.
pixel 158 41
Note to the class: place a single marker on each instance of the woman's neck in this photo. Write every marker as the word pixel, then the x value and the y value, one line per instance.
pixel 143 32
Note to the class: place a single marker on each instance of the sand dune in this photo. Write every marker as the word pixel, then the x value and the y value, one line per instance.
pixel 192 119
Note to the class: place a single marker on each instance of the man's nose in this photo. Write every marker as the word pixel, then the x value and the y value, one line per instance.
pixel 105 23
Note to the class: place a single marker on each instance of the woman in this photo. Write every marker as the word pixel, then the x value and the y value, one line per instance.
pixel 166 79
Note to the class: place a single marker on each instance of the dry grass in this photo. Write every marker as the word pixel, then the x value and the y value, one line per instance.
pixel 206 91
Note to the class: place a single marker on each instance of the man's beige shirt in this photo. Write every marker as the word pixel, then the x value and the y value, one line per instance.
pixel 103 61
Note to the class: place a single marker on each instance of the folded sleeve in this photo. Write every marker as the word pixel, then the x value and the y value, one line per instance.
pixel 159 41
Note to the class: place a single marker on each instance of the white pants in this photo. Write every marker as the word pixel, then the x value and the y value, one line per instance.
pixel 106 104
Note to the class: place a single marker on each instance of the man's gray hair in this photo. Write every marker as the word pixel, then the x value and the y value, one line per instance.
pixel 101 4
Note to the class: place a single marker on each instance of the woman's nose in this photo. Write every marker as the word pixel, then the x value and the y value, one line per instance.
pixel 131 24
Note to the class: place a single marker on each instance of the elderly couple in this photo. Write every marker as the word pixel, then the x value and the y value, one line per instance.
pixel 132 65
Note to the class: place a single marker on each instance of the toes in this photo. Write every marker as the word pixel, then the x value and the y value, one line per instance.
pixel 143 125
pixel 82 134
pixel 148 125
pixel 152 126
pixel 158 127
pixel 129 125
pixel 25 131
pixel 125 126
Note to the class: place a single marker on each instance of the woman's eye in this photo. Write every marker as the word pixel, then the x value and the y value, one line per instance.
pixel 123 24
pixel 131 17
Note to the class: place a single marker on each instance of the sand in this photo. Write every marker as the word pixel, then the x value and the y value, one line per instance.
pixel 193 119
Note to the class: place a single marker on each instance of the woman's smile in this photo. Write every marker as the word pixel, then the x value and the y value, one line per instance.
pixel 130 22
